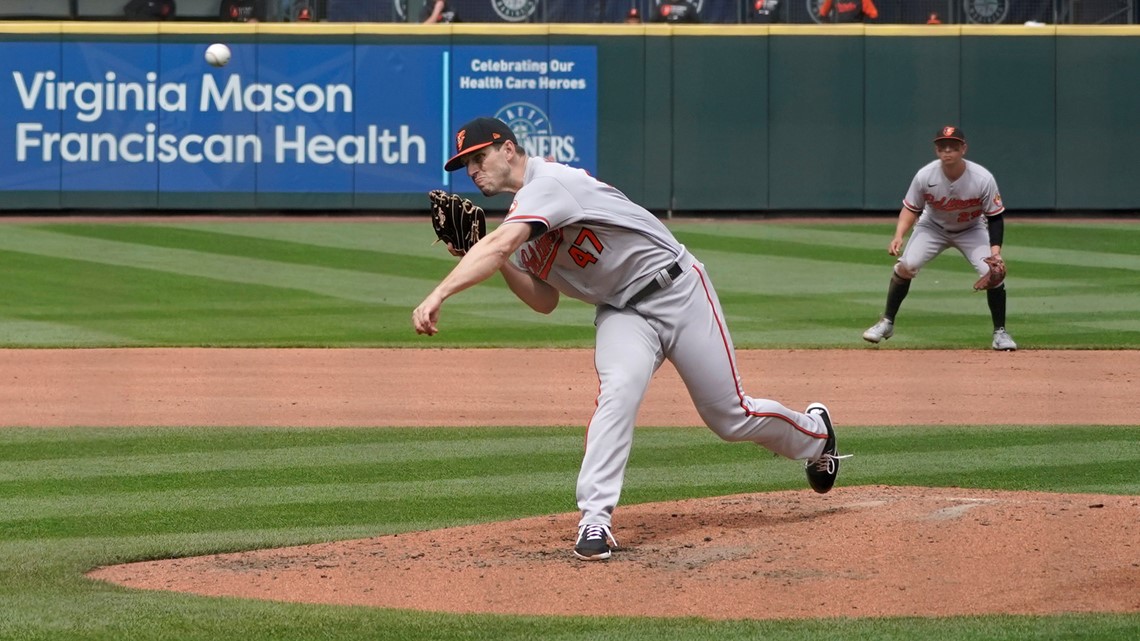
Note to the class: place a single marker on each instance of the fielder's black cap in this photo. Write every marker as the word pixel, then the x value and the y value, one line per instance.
pixel 477 134
pixel 950 132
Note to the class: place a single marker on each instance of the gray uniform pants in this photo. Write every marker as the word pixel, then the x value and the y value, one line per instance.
pixel 683 323
pixel 928 240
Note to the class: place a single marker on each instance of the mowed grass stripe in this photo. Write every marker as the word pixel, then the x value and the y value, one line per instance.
pixel 20 331
pixel 301 474
pixel 315 455
pixel 389 237
pixel 30 444
pixel 549 494
pixel 355 464
pixel 796 249
pixel 1101 477
pixel 140 502
pixel 1116 255
pixel 73 289
pixel 467 507
pixel 1097 236
pixel 219 244
pixel 917 439
pixel 279 265
pixel 265 288
pixel 708 463
pixel 454 477
pixel 340 283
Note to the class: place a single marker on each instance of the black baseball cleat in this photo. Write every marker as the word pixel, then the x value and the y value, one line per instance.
pixel 594 542
pixel 822 472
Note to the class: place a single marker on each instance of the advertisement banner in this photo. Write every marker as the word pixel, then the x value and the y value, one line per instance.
pixel 138 116
pixel 548 96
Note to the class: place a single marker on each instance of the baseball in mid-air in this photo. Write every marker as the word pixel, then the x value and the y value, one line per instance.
pixel 218 54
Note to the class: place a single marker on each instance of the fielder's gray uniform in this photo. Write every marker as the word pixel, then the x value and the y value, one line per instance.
pixel 952 214
pixel 602 248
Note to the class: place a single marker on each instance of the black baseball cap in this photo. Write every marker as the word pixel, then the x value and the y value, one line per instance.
pixel 950 132
pixel 477 134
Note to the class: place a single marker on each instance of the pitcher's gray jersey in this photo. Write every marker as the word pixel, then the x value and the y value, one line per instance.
pixel 954 206
pixel 599 246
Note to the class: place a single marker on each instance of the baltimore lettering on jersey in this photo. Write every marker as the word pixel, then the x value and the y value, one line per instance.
pixel 947 203
pixel 537 256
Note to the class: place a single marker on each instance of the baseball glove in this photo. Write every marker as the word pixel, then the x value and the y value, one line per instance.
pixel 457 221
pixel 994 277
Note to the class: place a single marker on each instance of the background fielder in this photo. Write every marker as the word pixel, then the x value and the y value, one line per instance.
pixel 572 234
pixel 952 202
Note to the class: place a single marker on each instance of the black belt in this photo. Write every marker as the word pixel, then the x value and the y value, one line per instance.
pixel 656 285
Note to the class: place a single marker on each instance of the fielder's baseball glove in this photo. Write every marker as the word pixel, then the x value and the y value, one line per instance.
pixel 456 220
pixel 994 277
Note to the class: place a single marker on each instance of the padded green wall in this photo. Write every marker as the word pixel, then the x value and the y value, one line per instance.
pixel 850 112
pixel 907 96
pixel 1098 102
pixel 720 112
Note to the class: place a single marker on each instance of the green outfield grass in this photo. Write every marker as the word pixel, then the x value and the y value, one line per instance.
pixel 72 499
pixel 77 498
pixel 334 283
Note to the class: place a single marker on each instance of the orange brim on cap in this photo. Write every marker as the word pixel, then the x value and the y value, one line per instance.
pixel 456 161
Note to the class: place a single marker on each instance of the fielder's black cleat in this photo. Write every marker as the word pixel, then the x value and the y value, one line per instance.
pixel 594 542
pixel 822 472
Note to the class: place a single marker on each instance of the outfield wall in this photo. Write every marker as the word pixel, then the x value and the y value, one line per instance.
pixel 698 118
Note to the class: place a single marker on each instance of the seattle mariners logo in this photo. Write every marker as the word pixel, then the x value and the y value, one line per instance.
pixel 532 128
pixel 514 10
pixel 986 11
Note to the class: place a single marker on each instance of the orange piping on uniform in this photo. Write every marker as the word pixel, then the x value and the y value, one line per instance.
pixel 732 365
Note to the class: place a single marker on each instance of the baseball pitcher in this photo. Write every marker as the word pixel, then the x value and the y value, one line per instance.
pixel 566 233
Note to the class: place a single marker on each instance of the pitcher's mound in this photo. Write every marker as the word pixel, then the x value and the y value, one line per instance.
pixel 856 552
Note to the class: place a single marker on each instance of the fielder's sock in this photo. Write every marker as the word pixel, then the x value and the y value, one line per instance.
pixel 896 292
pixel 996 299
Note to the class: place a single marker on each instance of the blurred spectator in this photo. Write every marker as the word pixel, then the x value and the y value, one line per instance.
pixel 242 11
pixel 438 11
pixel 764 11
pixel 294 10
pixel 849 10
pixel 933 18
pixel 149 10
pixel 676 12
pixel 633 17
pixel 284 10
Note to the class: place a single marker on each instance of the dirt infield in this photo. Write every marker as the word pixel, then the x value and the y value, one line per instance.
pixel 401 387
pixel 858 551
